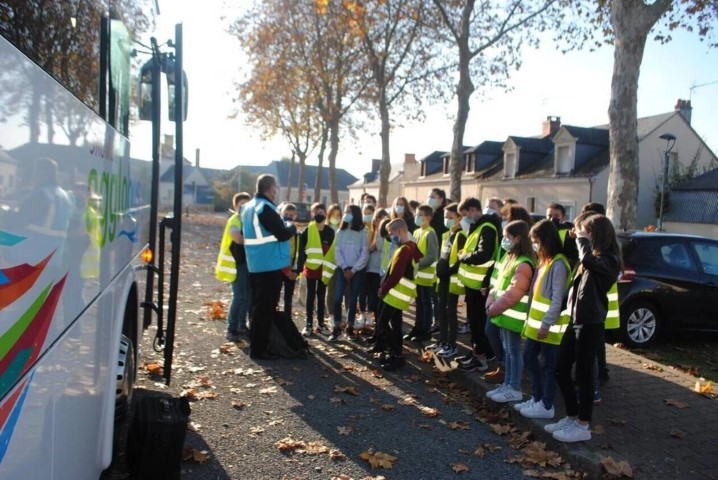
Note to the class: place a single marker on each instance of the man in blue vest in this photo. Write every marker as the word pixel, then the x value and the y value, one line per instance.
pixel 266 241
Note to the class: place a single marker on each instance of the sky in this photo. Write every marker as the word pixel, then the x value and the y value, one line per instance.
pixel 574 86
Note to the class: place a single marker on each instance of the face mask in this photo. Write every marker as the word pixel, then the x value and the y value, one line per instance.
pixel 367 218
pixel 348 217
pixel 334 221
pixel 432 202
pixel 399 209
pixel 319 218
pixel 289 219
pixel 503 224
pixel 449 223
pixel 367 205
pixel 507 244
pixel 489 211
pixel 536 247
pixel 466 223
pixel 395 239
pixel 556 221
pixel 419 220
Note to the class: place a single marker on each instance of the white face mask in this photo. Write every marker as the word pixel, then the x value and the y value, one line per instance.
pixel 489 211
pixel 399 209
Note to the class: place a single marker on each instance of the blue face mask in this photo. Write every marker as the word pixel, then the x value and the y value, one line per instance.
pixel 395 239
pixel 449 223
pixel 507 244
pixel 466 223
pixel 367 218
pixel 348 217
pixel 432 202
pixel 419 220
pixel 399 209
pixel 535 246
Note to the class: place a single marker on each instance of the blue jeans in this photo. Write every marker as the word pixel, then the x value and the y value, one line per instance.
pixel 241 297
pixel 492 333
pixel 424 312
pixel 340 284
pixel 513 363
pixel 544 384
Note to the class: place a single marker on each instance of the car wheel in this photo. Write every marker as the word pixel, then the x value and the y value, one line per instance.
pixel 641 324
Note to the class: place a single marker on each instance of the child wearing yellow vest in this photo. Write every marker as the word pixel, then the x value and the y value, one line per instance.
pixel 425 274
pixel 232 267
pixel 545 325
pixel 507 305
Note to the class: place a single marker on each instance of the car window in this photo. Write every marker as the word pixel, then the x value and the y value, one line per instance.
pixel 708 255
pixel 676 255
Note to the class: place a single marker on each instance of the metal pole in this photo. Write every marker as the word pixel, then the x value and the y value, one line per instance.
pixel 663 190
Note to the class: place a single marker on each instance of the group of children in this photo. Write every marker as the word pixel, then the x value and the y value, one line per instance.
pixel 547 283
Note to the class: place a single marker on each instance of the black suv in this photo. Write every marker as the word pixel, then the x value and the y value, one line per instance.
pixel 669 282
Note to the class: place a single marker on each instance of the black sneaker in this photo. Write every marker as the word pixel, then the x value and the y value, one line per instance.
pixel 232 336
pixel 420 336
pixel 465 358
pixel 411 333
pixel 371 339
pixel 351 334
pixel 474 364
pixel 336 333
pixel 435 329
pixel 394 363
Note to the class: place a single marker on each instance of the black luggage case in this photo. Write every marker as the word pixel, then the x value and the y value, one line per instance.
pixel 156 438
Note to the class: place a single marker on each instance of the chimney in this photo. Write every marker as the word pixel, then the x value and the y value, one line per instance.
pixel 167 148
pixel 375 165
pixel 196 157
pixel 551 126
pixel 409 158
pixel 685 109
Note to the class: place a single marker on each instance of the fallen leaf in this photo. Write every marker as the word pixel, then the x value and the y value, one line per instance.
pixel 378 459
pixel 425 357
pixel 227 348
pixel 616 421
pixel 500 429
pixel 652 366
pixel 676 403
pixel 677 434
pixel 257 430
pixel 335 454
pixel 154 368
pixel 200 456
pixel 406 401
pixel 598 430
pixel 459 467
pixel 537 454
pixel 238 405
pixel 288 443
pixel 429 411
pixel 275 422
pixel 344 430
pixel 311 397
pixel 347 390
pixel 377 373
pixel 216 310
pixel 388 407
pixel 617 469
pixel 485 447
pixel 458 425
pixel 337 400
pixel 268 390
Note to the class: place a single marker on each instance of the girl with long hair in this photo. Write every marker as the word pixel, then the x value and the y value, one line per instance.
pixel 401 208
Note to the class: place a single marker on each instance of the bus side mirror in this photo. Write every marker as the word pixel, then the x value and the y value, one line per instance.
pixel 168 67
pixel 145 93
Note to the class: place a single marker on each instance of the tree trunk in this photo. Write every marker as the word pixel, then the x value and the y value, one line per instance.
pixel 385 169
pixel 322 149
pixel 333 150
pixel 49 121
pixel 632 21
pixel 300 179
pixel 289 178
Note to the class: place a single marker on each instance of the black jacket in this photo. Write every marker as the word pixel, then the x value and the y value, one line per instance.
pixel 569 248
pixel 271 220
pixel 588 302
pixel 437 222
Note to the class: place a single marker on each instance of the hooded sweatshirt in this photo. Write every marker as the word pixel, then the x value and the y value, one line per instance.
pixel 398 269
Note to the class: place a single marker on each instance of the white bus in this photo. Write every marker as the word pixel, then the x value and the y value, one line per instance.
pixel 74 222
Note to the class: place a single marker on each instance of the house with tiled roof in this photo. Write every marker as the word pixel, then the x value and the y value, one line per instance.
pixel 400 174
pixel 570 165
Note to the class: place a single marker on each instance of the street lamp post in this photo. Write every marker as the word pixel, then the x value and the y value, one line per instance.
pixel 670 142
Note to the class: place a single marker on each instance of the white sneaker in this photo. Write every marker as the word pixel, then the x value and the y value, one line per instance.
pixel 496 390
pixel 324 330
pixel 521 405
pixel 360 321
pixel 307 331
pixel 560 425
pixel 537 410
pixel 508 395
pixel 573 432
pixel 448 351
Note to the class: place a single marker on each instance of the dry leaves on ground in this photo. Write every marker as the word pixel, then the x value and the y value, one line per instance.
pixel 216 310
pixel 458 425
pixel 425 357
pixel 499 429
pixel 429 411
pixel 677 434
pixel 388 407
pixel 486 447
pixel 154 368
pixel 348 390
pixel 652 366
pixel 378 459
pixel 344 430
pixel 459 467
pixel 199 456
pixel 616 469
pixel 676 403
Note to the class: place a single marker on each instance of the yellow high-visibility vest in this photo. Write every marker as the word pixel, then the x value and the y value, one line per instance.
pixel 540 305
pixel 313 249
pixel 514 317
pixel 613 317
pixel 328 267
pixel 226 268
pixel 473 276
pixel 402 293
pixel 426 276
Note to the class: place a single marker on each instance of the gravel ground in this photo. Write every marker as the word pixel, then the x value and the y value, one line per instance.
pixel 336 402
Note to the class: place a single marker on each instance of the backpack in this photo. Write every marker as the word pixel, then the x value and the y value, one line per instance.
pixel 284 338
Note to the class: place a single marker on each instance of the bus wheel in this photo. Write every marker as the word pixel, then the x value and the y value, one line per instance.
pixel 125 378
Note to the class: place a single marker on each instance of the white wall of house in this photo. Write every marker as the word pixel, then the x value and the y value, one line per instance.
pixel 651 155
pixel 355 191
pixel 324 196
pixel 421 188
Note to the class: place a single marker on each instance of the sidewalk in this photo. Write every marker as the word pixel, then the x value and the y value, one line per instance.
pixel 638 425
